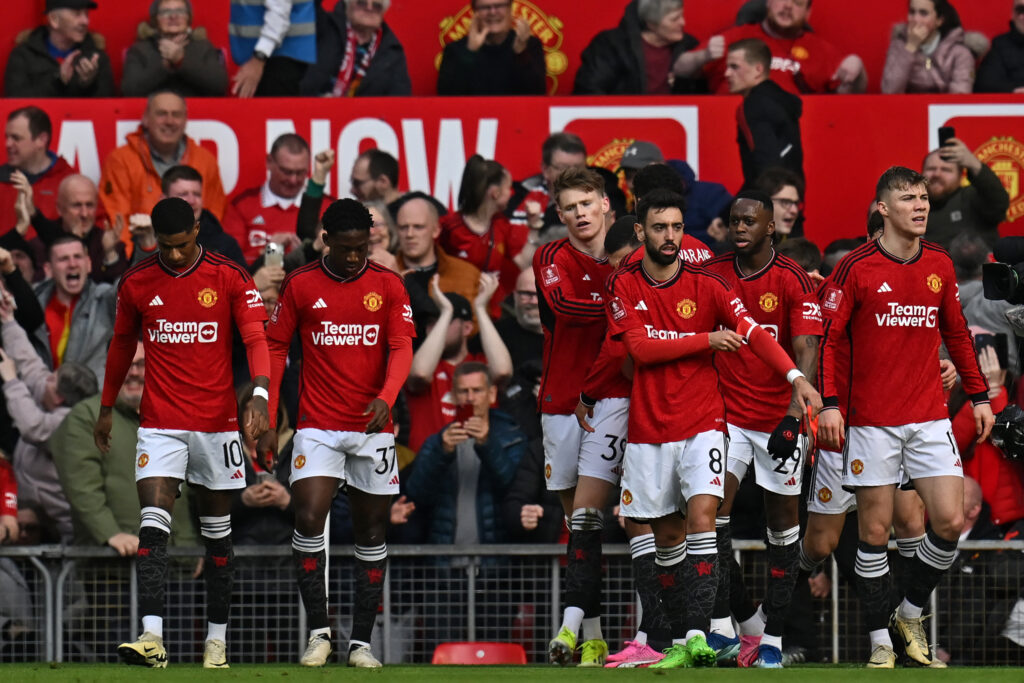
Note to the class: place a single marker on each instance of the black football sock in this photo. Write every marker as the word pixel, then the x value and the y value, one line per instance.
pixel 371 565
pixel 740 603
pixel 873 580
pixel 310 555
pixel 219 570
pixel 151 569
pixel 701 577
pixel 653 620
pixel 934 557
pixel 583 573
pixel 669 561
pixel 783 566
pixel 723 533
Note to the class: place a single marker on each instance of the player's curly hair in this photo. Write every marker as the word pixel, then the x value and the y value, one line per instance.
pixel 344 215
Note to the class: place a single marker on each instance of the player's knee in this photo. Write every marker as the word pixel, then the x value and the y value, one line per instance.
pixel 874 533
pixel 949 526
pixel 820 546
pixel 371 535
pixel 309 523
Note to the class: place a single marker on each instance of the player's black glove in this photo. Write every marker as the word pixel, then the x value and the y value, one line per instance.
pixel 782 442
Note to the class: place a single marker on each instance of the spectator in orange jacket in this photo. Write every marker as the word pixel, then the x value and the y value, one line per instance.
pixel 131 176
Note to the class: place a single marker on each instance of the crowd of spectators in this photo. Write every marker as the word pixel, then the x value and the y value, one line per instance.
pixel 470 454
pixel 299 48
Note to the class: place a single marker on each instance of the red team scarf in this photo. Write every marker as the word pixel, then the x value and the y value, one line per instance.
pixel 351 72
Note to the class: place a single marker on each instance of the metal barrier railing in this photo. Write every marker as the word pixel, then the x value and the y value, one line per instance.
pixel 76 604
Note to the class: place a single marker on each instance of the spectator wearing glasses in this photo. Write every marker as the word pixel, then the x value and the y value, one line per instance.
pixel 497 56
pixel 268 213
pixel 357 53
pixel 170 55
pixel 61 58
pixel 1002 70
pixel 787 192
pixel 375 177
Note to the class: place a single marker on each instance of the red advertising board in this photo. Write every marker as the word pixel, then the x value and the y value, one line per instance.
pixel 848 141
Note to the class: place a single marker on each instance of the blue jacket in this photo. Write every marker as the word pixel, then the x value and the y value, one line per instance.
pixel 704 201
pixel 247 19
pixel 434 481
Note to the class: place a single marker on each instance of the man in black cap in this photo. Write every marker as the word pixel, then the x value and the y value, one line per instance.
pixel 60 58
pixel 638 155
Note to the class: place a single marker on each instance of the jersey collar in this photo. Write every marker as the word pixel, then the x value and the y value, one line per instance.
pixel 184 273
pixel 337 278
pixel 756 274
pixel 896 259
pixel 667 283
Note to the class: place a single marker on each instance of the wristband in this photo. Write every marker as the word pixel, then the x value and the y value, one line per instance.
pixel 261 392
pixel 792 375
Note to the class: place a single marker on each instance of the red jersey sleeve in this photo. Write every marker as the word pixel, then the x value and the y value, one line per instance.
pixel 621 310
pixel 836 309
pixel 805 313
pixel 246 302
pixel 283 322
pixel 552 279
pixel 958 339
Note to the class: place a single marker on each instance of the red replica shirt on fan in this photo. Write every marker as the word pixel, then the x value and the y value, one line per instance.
pixel 570 288
pixel 679 399
pixel 492 251
pixel 801 65
pixel 255 215
pixel 432 410
pixel 781 298
pixel 345 325
pixel 186 324
pixel 894 314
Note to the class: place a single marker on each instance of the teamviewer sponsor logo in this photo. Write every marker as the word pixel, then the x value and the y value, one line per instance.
pixel 654 333
pixel 170 332
pixel 354 334
pixel 908 316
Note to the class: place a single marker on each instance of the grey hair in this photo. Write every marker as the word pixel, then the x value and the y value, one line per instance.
pixel 75 381
pixel 386 3
pixel 154 7
pixel 389 220
pixel 653 11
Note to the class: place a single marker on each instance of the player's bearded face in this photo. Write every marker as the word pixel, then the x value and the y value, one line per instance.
pixel 663 233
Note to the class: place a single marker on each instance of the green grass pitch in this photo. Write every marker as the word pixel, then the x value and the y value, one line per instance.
pixel 279 673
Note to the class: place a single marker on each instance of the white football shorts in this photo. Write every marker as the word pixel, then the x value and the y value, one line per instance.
pixel 658 479
pixel 214 460
pixel 826 495
pixel 874 455
pixel 571 452
pixel 367 462
pixel 778 476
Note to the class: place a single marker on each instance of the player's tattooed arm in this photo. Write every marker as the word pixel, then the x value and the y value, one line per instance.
pixel 805 350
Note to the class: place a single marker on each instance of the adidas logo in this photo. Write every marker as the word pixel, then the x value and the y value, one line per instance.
pixel 642 306
pixel 717 481
pixel 394 481
pixel 320 303
pixel 238 475
pixel 258 221
pixel 157 301
pixel 791 482
pixel 884 288
pixel 586 278
pixel 958 464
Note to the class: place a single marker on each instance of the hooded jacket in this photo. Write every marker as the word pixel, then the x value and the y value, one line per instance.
pixel 768 123
pixel 613 62
pixel 387 73
pixel 949 69
pixel 130 183
pixel 1002 70
pixel 32 72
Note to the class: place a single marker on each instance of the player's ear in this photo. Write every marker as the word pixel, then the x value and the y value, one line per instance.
pixel 638 230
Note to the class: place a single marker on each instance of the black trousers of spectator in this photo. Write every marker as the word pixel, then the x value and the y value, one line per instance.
pixel 281 77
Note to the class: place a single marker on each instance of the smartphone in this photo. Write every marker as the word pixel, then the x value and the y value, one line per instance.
pixel 946 133
pixel 999 342
pixel 5 174
pixel 463 413
pixel 273 255
pixel 264 476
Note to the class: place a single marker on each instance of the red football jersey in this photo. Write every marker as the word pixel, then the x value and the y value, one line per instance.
pixel 781 298
pixel 432 410
pixel 344 325
pixel 800 65
pixel 253 224
pixel 570 288
pixel 691 250
pixel 493 251
pixel 894 314
pixel 679 399
pixel 186 324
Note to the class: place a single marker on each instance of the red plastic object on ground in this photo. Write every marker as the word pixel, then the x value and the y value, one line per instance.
pixel 479 653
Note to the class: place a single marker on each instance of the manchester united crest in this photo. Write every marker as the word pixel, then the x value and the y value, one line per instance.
pixel 856 467
pixel 207 297
pixel 1005 156
pixel 143 460
pixel 547 471
pixel 686 309
pixel 373 301
pixel 627 497
pixel 300 462
pixel 934 283
pixel 768 302
pixel 824 494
